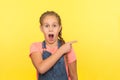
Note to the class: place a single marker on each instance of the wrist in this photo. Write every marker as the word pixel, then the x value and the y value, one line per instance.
pixel 59 51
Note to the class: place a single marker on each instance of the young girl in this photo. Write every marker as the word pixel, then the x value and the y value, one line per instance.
pixel 53 58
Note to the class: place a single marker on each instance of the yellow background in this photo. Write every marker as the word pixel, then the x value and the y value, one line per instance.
pixel 94 23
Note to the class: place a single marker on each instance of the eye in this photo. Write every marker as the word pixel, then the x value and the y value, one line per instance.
pixel 54 25
pixel 46 26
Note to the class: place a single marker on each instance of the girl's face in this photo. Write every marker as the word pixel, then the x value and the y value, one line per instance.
pixel 50 28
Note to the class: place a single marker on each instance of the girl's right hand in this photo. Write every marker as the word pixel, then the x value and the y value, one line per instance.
pixel 65 48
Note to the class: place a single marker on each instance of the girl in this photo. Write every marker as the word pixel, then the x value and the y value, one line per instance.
pixel 53 58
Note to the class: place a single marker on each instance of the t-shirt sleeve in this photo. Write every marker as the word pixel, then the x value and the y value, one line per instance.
pixel 35 47
pixel 71 56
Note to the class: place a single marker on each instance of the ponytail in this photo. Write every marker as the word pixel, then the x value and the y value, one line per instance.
pixel 60 37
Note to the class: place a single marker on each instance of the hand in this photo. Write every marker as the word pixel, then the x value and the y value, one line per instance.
pixel 66 47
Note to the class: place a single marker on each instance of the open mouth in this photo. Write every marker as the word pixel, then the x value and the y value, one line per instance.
pixel 51 36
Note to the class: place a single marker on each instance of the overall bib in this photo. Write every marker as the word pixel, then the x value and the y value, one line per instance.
pixel 58 71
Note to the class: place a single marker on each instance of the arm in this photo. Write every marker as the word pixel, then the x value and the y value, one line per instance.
pixel 73 70
pixel 43 66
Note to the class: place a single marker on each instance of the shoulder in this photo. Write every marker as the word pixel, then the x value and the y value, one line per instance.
pixel 36 43
pixel 36 47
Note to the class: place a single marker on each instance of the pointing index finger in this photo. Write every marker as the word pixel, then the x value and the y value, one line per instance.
pixel 71 42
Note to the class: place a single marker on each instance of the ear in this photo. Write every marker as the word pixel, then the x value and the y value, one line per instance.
pixel 41 28
pixel 60 28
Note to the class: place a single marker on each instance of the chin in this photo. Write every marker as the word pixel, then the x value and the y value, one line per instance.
pixel 51 41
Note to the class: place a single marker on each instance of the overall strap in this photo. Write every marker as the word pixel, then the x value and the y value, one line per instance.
pixel 44 44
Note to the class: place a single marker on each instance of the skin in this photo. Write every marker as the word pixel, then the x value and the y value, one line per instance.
pixel 51 26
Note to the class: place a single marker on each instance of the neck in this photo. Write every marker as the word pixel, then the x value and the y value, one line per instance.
pixel 52 44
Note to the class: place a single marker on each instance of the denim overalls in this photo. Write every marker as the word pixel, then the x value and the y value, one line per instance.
pixel 58 71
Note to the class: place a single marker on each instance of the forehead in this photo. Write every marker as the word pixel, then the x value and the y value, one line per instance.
pixel 50 18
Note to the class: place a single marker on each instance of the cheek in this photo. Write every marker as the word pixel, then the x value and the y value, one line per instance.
pixel 57 33
pixel 45 34
pixel 45 31
pixel 57 30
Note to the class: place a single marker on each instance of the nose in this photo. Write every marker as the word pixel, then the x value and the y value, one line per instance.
pixel 50 28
